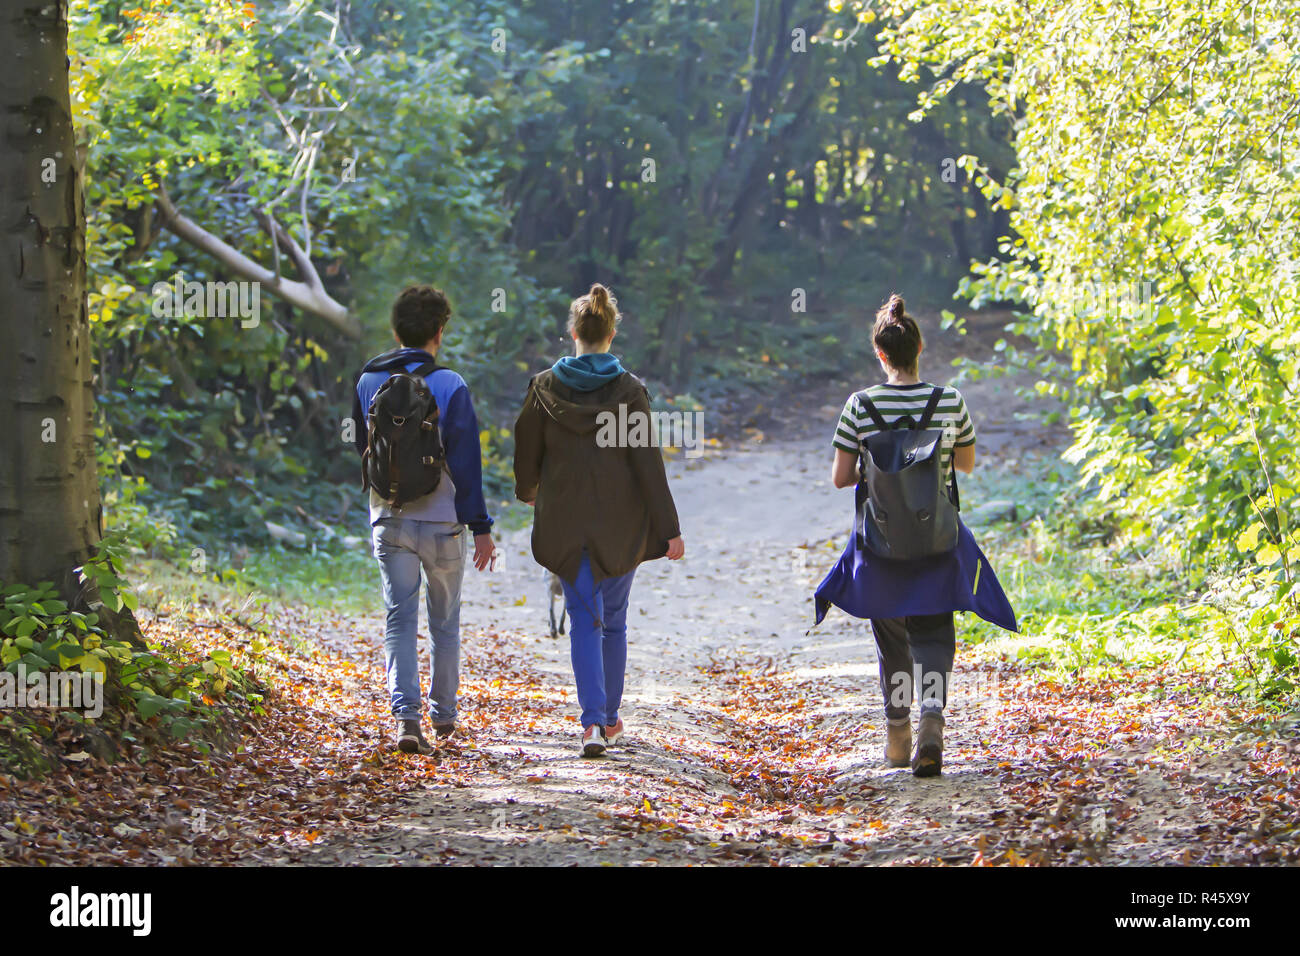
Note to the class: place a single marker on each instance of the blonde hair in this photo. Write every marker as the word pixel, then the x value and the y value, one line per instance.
pixel 594 316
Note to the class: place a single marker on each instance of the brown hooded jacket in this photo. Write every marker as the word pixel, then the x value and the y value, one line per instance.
pixel 614 501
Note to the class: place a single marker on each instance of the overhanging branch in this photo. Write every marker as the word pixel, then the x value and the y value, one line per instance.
pixel 308 294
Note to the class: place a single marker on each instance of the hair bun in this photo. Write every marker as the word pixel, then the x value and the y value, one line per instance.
pixel 594 315
pixel 897 335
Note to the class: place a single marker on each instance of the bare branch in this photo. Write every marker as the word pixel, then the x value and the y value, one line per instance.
pixel 308 295
pixel 306 191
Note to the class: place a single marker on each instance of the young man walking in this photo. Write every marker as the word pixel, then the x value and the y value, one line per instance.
pixel 429 531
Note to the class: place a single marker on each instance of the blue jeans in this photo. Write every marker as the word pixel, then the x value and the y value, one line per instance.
pixel 598 642
pixel 403 546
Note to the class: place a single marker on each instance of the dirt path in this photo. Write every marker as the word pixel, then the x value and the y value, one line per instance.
pixel 750 738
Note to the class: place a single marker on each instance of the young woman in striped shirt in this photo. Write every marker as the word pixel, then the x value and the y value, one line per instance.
pixel 920 648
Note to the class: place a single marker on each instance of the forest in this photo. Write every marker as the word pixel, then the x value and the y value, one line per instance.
pixel 1089 205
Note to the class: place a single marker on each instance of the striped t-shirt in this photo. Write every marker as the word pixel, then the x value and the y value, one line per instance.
pixel 895 401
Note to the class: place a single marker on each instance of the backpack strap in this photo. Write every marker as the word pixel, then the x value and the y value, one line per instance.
pixel 394 477
pixel 928 414
pixel 870 408
pixel 935 397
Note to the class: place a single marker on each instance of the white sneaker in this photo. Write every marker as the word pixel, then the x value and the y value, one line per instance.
pixel 593 741
pixel 614 733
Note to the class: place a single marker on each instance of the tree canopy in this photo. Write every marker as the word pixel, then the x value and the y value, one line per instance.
pixel 511 153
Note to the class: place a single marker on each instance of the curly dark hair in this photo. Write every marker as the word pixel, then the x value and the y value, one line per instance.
pixel 419 314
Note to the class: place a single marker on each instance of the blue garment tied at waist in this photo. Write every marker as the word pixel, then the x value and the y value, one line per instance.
pixel 865 585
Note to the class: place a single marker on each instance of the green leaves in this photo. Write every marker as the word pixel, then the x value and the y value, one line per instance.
pixel 1141 163
pixel 41 632
pixel 1248 540
pixel 24 627
pixel 151 705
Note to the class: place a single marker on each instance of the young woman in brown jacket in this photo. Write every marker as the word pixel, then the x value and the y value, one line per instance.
pixel 586 460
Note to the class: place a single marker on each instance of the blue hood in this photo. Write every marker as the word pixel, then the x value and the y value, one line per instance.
pixel 586 373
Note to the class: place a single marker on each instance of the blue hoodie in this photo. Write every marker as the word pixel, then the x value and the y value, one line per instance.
pixel 586 373
pixel 460 499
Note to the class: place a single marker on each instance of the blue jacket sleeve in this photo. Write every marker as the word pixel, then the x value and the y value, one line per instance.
pixel 359 426
pixel 464 461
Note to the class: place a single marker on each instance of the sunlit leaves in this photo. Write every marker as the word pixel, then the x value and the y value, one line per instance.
pixel 1151 147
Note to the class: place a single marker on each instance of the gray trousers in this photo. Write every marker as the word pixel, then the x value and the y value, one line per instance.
pixel 915 655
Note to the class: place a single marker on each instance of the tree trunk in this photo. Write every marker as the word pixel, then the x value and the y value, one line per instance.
pixel 50 517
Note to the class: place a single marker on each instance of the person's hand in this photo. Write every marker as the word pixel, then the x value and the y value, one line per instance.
pixel 676 548
pixel 530 503
pixel 483 548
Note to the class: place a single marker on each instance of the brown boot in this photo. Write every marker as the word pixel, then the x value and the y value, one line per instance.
pixel 898 742
pixel 928 759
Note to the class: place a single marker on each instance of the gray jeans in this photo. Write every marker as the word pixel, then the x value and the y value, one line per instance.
pixel 916 655
pixel 403 546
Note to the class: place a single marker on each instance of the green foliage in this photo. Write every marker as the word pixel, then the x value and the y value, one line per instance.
pixel 149 695
pixel 357 134
pixel 1152 158
pixel 28 611
pixel 708 160
pixel 1153 202
pixel 1091 603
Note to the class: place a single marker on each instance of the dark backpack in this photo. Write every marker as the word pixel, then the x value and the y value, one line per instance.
pixel 403 458
pixel 903 509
